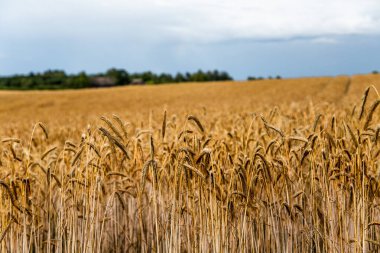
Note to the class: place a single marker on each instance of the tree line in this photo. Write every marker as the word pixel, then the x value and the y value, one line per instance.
pixel 58 79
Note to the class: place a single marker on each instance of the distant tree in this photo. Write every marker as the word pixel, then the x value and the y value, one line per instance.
pixel 58 79
pixel 53 77
pixel 179 78
pixel 375 72
pixel 148 76
pixel 188 77
pixel 224 76
pixel 251 78
pixel 165 78
pixel 27 83
pixel 80 81
pixel 278 77
pixel 119 75
pixel 198 76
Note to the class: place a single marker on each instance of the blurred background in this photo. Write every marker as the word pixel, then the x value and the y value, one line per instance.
pixel 292 38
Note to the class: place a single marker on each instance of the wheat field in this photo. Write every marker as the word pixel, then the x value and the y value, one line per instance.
pixel 264 166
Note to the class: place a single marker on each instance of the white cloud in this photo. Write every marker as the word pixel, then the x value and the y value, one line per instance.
pixel 325 40
pixel 190 20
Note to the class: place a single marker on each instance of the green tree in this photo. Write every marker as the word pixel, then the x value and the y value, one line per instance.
pixel 80 81
pixel 120 76
pixel 179 78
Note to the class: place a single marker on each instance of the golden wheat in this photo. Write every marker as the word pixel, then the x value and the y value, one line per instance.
pixel 226 172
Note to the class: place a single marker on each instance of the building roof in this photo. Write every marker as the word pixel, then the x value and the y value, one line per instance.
pixel 102 81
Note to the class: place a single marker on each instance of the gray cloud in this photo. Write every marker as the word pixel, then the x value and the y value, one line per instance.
pixel 241 36
pixel 190 20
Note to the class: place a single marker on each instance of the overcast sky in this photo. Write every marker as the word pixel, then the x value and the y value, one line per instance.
pixel 243 37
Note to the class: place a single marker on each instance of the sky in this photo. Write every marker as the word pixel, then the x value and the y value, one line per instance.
pixel 290 38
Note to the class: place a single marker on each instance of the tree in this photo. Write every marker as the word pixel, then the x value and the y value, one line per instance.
pixel 179 78
pixel 54 77
pixel 148 76
pixel 225 76
pixel 119 75
pixel 165 78
pixel 80 81
pixel 58 79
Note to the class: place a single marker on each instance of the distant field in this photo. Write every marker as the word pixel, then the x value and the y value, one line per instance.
pixel 134 103
pixel 263 166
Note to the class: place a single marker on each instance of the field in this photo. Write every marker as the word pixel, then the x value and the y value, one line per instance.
pixel 264 166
